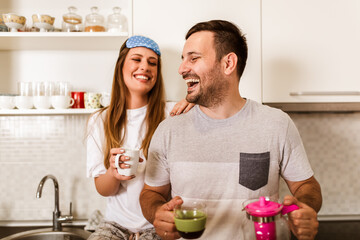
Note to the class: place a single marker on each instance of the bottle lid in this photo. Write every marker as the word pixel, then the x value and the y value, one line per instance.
pixel 263 208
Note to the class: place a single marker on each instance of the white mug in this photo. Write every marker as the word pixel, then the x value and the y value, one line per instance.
pixel 7 102
pixel 42 102
pixel 61 102
pixel 24 102
pixel 105 99
pixel 133 162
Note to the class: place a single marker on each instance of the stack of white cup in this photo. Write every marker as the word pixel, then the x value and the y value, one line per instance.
pixel 42 94
pixel 25 98
pixel 62 96
pixel 7 101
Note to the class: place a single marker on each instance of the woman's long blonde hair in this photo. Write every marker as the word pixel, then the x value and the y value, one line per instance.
pixel 115 118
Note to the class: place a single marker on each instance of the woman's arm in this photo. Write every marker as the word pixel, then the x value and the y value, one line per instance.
pixel 108 184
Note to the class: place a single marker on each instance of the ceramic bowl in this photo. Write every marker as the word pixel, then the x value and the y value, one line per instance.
pixel 43 22
pixel 3 27
pixel 13 21
pixel 43 18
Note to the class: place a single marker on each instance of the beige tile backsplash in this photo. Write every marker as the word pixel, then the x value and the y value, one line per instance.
pixel 34 146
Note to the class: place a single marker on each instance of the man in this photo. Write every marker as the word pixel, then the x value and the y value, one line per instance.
pixel 227 149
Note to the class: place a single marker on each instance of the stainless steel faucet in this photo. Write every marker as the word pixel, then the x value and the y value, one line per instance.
pixel 57 218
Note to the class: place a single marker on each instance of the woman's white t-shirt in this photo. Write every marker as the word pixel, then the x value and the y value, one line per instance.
pixel 124 207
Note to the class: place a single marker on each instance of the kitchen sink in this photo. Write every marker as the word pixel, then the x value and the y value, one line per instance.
pixel 49 234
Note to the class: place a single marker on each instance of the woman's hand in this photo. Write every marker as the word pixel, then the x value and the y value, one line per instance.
pixel 122 164
pixel 182 106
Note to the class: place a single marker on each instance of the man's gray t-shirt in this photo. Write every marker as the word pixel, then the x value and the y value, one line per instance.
pixel 223 162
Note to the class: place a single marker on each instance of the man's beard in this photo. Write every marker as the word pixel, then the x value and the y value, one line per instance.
pixel 213 93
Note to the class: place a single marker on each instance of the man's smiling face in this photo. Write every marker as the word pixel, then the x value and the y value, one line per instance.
pixel 202 71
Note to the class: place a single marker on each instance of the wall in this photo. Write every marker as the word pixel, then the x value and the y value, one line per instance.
pixel 34 146
pixel 56 66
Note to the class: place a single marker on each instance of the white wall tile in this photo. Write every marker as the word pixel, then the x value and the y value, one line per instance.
pixel 34 146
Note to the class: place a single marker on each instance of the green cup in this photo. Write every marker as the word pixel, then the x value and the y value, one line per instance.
pixel 190 219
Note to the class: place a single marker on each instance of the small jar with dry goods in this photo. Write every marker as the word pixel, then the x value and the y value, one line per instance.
pixel 72 22
pixel 94 22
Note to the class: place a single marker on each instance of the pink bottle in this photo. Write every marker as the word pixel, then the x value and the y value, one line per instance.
pixel 264 214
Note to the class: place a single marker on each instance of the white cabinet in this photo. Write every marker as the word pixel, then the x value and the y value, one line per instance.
pixel 168 21
pixel 311 51
pixel 86 60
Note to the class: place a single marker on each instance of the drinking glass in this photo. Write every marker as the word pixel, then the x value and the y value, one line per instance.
pixel 25 89
pixel 190 219
pixel 43 89
pixel 62 89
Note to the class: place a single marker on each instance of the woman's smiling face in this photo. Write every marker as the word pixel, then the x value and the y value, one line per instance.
pixel 140 70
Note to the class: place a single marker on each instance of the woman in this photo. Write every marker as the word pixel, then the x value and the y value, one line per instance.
pixel 136 108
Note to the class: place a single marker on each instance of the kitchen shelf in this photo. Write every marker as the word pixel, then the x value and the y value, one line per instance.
pixel 61 40
pixel 5 112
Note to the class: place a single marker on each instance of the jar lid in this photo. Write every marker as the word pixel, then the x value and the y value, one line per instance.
pixel 115 18
pixel 71 17
pixel 94 17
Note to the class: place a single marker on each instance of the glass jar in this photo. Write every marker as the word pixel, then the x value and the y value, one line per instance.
pixel 117 22
pixel 71 21
pixel 94 22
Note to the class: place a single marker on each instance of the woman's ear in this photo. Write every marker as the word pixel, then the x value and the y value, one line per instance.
pixel 230 62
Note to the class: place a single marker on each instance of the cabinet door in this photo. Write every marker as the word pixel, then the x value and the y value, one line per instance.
pixel 311 51
pixel 168 21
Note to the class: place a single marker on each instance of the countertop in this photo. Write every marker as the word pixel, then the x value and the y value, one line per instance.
pixel 328 229
pixel 338 230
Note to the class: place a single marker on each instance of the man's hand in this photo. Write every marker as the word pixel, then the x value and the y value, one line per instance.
pixel 303 222
pixel 164 220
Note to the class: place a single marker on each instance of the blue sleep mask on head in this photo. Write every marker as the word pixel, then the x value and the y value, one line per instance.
pixel 141 41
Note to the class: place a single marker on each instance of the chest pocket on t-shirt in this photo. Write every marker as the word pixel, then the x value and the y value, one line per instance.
pixel 254 169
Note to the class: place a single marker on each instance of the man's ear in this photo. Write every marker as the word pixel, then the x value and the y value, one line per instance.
pixel 230 62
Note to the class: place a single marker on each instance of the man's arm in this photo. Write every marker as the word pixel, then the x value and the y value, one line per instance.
pixel 308 192
pixel 307 195
pixel 158 211
pixel 151 198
